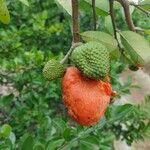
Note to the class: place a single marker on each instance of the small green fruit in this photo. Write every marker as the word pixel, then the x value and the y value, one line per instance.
pixel 53 70
pixel 5 130
pixel 92 59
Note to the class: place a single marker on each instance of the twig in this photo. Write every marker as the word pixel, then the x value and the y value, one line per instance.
pixel 84 133
pixel 75 30
pixel 94 15
pixel 74 45
pixel 140 8
pixel 75 22
pixel 112 15
pixel 138 29
pixel 67 55
pixel 103 123
pixel 126 6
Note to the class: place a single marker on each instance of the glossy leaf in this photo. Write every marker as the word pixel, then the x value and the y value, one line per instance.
pixel 102 7
pixel 84 6
pixel 66 4
pixel 4 13
pixel 108 24
pixel 101 37
pixel 136 46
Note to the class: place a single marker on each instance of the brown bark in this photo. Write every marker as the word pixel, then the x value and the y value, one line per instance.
pixel 75 22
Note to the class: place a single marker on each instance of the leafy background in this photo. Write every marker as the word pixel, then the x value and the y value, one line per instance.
pixel 33 117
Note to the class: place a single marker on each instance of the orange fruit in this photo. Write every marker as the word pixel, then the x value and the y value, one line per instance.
pixel 85 99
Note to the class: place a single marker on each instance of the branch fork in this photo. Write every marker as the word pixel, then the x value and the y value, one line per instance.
pixel 75 30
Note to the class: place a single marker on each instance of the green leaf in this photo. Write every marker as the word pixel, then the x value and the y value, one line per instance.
pixel 5 130
pixel 25 2
pixel 69 133
pixel 136 46
pixel 115 54
pixel 115 112
pixel 6 100
pixel 105 147
pixel 108 24
pixel 12 138
pixel 117 5
pixel 59 124
pixel 66 4
pixel 28 143
pixel 147 31
pixel 85 145
pixel 89 143
pixel 110 137
pixel 145 4
pixel 4 13
pixel 85 6
pixel 52 145
pixel 6 145
pixel 101 37
pixel 38 146
pixel 102 7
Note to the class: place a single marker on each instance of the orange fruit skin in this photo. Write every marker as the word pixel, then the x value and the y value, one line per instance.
pixel 85 99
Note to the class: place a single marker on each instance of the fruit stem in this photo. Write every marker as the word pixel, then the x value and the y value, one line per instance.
pixel 94 15
pixel 112 15
pixel 126 6
pixel 75 30
pixel 111 2
pixel 75 21
pixel 74 45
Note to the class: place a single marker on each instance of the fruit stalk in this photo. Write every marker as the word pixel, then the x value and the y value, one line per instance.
pixel 75 22
pixel 75 30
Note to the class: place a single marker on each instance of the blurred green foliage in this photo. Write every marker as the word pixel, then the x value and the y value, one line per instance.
pixel 34 116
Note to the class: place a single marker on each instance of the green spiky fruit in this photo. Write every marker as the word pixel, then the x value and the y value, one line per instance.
pixel 53 70
pixel 92 59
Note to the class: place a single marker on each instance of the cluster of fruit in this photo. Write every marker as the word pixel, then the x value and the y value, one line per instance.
pixel 86 89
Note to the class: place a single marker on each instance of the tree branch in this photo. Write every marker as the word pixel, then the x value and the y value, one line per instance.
pixel 126 6
pixel 99 126
pixel 75 30
pixel 112 15
pixel 94 15
pixel 74 45
pixel 75 23
pixel 141 9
